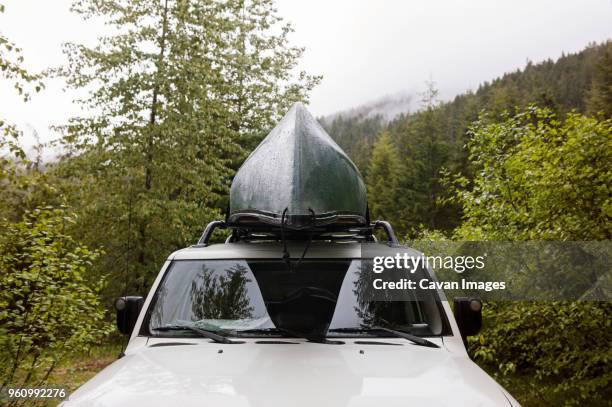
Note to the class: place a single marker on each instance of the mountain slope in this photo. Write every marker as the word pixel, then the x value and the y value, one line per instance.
pixel 434 137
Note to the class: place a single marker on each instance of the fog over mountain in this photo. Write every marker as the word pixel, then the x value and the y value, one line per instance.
pixel 385 108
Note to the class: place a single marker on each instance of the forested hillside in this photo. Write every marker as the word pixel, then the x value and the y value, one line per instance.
pixel 356 135
pixel 433 139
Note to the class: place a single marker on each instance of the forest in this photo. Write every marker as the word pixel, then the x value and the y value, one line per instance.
pixel 179 93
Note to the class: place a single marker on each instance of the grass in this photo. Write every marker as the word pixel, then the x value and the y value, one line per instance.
pixel 71 373
pixel 76 370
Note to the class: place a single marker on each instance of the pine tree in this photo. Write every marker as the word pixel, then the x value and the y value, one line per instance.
pixel 383 174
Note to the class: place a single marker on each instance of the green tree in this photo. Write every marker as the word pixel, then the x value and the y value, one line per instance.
pixel 600 95
pixel 383 174
pixel 176 92
pixel 540 178
pixel 425 150
pixel 355 135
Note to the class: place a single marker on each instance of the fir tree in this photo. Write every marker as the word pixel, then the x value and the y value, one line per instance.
pixel 383 174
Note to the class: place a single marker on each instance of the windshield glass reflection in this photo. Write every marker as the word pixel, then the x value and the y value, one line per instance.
pixel 262 298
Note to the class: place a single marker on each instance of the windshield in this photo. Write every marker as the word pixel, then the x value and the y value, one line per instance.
pixel 270 298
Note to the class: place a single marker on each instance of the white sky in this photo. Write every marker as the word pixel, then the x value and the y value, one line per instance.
pixel 365 49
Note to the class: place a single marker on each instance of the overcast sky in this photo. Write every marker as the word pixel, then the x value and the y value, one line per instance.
pixel 364 49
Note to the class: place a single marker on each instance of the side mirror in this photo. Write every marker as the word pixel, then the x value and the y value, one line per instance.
pixel 128 309
pixel 468 314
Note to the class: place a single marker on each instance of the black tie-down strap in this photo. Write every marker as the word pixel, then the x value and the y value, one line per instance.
pixel 286 255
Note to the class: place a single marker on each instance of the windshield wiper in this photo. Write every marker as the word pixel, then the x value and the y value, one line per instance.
pixel 202 332
pixel 400 334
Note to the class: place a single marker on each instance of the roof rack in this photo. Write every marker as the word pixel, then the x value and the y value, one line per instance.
pixel 271 233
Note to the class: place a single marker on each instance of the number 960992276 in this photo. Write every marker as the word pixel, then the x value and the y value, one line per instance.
pixel 34 392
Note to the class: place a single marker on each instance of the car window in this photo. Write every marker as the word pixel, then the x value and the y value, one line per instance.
pixel 222 293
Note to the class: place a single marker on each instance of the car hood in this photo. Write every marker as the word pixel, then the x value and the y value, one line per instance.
pixel 396 373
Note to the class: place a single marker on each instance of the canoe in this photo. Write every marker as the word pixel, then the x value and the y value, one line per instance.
pixel 298 178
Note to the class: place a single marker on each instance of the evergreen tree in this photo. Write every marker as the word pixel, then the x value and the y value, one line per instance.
pixel 427 151
pixel 382 178
pixel 600 94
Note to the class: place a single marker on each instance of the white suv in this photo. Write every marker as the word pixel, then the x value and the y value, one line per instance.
pixel 236 324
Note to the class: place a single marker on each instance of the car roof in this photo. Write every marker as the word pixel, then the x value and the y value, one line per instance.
pixel 274 250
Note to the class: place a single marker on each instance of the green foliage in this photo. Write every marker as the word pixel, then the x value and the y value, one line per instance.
pixel 561 85
pixel 383 174
pixel 24 185
pixel 403 175
pixel 18 176
pixel 561 348
pixel 13 153
pixel 11 68
pixel 46 309
pixel 537 178
pixel 179 91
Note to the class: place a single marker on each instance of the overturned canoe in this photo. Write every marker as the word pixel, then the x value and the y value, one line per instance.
pixel 298 177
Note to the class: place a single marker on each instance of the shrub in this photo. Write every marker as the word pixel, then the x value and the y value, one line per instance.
pixel 46 308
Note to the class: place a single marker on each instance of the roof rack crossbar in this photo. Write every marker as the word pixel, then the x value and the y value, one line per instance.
pixel 388 229
pixel 208 231
pixel 258 233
